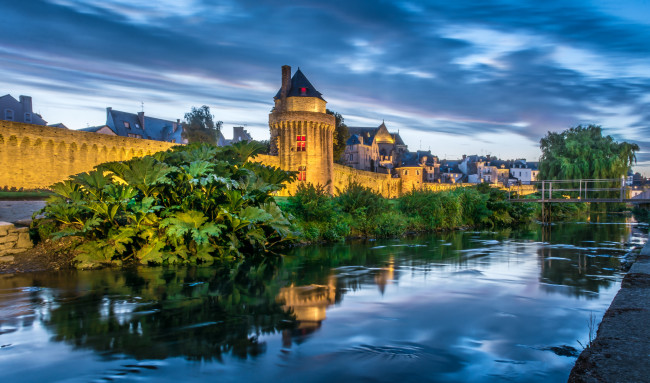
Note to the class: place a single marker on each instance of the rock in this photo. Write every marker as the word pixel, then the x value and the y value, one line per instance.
pixel 5 227
pixel 7 258
pixel 23 241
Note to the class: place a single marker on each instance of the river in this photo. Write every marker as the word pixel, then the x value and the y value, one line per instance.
pixel 485 306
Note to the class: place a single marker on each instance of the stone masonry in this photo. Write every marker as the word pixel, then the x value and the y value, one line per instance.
pixel 13 240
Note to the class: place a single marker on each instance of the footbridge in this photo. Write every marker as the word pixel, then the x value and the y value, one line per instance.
pixel 582 191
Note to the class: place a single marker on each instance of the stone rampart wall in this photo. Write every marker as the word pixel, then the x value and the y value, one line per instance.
pixel 13 240
pixel 382 183
pixel 35 157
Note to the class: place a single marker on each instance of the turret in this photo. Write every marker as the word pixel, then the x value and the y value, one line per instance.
pixel 302 131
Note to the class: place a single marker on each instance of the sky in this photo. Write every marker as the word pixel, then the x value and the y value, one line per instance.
pixel 456 77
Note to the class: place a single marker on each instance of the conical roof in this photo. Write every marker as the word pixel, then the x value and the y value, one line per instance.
pixel 299 82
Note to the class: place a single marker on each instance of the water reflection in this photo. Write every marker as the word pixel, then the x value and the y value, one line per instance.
pixel 450 306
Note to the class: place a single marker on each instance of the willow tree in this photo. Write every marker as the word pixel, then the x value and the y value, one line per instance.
pixel 584 153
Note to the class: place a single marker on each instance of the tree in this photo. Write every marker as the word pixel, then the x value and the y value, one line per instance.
pixel 341 135
pixel 582 152
pixel 199 126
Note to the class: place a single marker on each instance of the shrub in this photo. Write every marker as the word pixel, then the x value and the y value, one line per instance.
pixel 187 205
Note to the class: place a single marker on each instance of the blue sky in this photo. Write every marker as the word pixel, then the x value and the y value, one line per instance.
pixel 456 77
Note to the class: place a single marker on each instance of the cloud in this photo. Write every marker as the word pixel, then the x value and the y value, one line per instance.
pixel 497 67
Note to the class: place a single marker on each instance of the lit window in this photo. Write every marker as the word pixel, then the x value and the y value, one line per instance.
pixel 9 115
pixel 303 91
pixel 127 125
pixel 301 143
pixel 28 117
pixel 137 126
pixel 302 173
pixel 134 135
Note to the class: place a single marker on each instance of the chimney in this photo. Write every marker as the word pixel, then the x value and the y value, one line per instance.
pixel 177 124
pixel 26 103
pixel 286 81
pixel 141 119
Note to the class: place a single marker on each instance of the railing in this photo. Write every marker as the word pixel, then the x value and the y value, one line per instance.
pixel 581 190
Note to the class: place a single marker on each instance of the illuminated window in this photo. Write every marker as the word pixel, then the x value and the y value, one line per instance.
pixel 134 135
pixel 302 173
pixel 127 125
pixel 301 143
pixel 303 91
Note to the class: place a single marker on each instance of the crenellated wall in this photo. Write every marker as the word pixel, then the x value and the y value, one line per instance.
pixel 35 157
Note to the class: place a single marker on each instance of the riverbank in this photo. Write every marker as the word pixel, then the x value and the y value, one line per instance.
pixel 621 350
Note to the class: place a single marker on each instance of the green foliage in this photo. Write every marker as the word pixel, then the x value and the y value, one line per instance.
pixel 191 204
pixel 583 153
pixel 356 197
pixel 341 135
pixel 199 126
pixel 311 203
pixel 358 211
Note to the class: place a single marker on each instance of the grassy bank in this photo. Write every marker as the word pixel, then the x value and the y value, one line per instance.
pixel 357 211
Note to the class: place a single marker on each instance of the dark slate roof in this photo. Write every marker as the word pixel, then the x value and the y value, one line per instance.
pixel 59 125
pixel 353 140
pixel 367 133
pixel 92 129
pixel 300 81
pixel 398 139
pixel 409 159
pixel 154 128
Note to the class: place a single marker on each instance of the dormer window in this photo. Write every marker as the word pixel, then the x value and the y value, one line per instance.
pixel 9 115
pixel 28 117
pixel 303 91
pixel 127 125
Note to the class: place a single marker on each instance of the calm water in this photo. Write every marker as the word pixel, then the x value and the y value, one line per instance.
pixel 464 306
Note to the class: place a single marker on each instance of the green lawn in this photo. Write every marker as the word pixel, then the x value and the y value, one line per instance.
pixel 24 195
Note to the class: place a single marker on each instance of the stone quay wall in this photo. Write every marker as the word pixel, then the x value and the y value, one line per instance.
pixel 13 240
pixel 35 157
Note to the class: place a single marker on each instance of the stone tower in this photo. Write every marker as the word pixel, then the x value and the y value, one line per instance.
pixel 301 131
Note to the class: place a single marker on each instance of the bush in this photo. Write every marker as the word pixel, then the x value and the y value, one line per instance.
pixel 190 204
pixel 311 203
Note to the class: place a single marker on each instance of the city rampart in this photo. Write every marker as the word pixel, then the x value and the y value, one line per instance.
pixel 35 157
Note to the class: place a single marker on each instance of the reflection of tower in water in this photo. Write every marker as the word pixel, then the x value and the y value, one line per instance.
pixel 386 275
pixel 309 305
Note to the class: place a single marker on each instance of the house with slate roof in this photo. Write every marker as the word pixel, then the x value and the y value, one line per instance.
pixel 137 125
pixel 374 149
pixel 19 111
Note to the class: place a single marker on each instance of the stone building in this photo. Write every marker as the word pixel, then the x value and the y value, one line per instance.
pixel 302 131
pixel 138 125
pixel 19 111
pixel 374 149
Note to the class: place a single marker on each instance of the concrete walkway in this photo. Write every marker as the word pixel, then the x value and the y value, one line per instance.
pixel 15 211
pixel 621 350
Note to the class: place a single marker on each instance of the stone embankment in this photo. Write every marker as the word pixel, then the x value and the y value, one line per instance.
pixel 621 350
pixel 13 240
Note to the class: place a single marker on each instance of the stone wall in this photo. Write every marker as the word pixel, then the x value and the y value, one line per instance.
pixel 13 240
pixel 381 183
pixel 35 157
